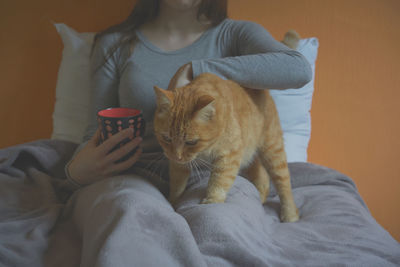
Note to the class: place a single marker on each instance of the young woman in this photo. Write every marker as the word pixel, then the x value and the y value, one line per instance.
pixel 165 43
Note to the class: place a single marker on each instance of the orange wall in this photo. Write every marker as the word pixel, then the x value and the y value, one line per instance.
pixel 355 114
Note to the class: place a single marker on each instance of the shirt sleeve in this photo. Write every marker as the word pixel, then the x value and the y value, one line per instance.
pixel 256 59
pixel 104 81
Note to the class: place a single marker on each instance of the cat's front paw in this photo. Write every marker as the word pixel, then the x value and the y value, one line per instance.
pixel 290 216
pixel 210 200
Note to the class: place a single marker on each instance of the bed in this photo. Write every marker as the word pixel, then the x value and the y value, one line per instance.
pixel 45 223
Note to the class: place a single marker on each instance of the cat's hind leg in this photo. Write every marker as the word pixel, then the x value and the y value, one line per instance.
pixel 257 174
pixel 273 158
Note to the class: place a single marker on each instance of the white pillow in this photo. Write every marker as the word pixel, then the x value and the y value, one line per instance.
pixel 71 112
pixel 71 109
pixel 294 107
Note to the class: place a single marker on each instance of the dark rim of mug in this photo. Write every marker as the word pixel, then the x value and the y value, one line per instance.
pixel 119 112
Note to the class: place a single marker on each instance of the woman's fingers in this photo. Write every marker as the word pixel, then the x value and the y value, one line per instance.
pixel 122 151
pixel 94 162
pixel 95 140
pixel 111 142
pixel 122 166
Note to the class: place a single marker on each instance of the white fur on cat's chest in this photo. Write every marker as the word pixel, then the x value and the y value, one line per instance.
pixel 209 157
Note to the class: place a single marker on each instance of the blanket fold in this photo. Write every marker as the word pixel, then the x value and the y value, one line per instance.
pixel 126 221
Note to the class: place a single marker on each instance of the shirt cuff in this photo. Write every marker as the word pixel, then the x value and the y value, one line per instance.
pixel 70 180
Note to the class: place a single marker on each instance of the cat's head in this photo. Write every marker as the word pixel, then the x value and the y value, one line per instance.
pixel 186 121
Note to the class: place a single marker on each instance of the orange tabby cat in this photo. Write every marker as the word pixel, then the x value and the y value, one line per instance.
pixel 233 128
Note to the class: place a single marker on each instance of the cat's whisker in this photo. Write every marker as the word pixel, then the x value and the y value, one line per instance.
pixel 190 166
pixel 197 166
pixel 151 164
pixel 154 161
pixel 203 160
pixel 154 168
pixel 197 169
pixel 203 163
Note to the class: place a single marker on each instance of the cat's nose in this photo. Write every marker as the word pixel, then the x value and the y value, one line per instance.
pixel 179 154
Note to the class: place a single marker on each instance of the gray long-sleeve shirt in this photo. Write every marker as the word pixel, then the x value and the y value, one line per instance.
pixel 238 50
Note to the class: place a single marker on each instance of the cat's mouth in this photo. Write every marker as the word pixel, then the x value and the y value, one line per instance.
pixel 179 160
pixel 183 162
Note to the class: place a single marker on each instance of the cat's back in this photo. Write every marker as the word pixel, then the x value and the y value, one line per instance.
pixel 214 85
pixel 245 103
pixel 249 103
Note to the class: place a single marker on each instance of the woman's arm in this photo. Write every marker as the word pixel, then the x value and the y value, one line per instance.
pixel 103 86
pixel 92 161
pixel 104 82
pixel 257 60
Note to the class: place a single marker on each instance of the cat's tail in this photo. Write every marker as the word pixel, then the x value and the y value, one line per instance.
pixel 291 39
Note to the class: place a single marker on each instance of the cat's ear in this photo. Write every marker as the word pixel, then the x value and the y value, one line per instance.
pixel 205 108
pixel 164 98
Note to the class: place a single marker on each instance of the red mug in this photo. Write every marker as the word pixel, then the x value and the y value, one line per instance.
pixel 114 120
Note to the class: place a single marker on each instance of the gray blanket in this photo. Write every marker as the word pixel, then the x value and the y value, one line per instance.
pixel 126 221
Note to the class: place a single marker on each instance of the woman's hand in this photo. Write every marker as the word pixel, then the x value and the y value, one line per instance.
pixel 182 77
pixel 94 162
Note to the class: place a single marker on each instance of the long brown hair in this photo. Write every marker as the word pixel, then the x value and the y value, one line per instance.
pixel 146 10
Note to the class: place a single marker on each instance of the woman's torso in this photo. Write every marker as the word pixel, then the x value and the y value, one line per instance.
pixel 148 66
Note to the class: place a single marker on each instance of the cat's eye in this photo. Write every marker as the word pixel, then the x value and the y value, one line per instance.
pixel 166 138
pixel 191 142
